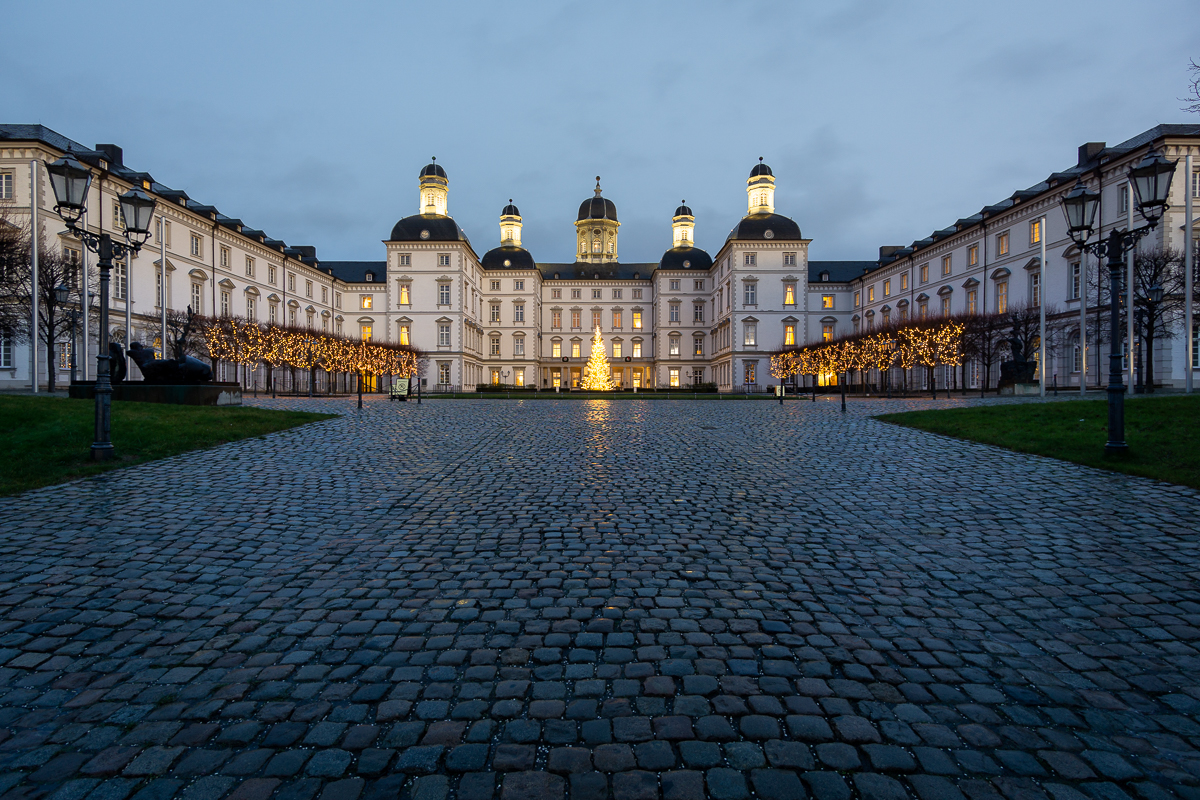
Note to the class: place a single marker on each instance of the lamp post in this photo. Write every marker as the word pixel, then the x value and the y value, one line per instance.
pixel 1140 333
pixel 312 368
pixel 62 293
pixel 70 181
pixel 842 380
pixel 1151 180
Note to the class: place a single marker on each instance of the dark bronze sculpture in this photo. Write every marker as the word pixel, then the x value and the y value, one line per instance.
pixel 1020 369
pixel 117 367
pixel 172 371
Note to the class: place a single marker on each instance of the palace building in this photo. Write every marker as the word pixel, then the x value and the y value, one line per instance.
pixel 504 317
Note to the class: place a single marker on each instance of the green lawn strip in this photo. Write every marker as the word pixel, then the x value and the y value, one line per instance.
pixel 1163 433
pixel 47 440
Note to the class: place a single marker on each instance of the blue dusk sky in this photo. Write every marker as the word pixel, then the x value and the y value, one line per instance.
pixel 882 121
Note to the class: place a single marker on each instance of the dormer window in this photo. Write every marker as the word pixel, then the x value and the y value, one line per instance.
pixel 370 277
pixel 824 277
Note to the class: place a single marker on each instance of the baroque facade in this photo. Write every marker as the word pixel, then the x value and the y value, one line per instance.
pixel 504 317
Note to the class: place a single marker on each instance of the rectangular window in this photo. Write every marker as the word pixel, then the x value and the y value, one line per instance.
pixel 444 373
pixel 945 306
pixel 444 337
pixel 273 314
pixel 789 259
pixel 337 299
pixel 443 294
pixel 971 301
pixel 64 354
pixel 637 320
pixel 324 294
pixel 249 267
pixel 556 348
pixel 196 246
pixel 1195 346
pixel 519 312
pixel 120 280
pixel 494 311
pixel 904 281
pixel 495 345
pixel 271 275
pixel 857 298
pixel 367 300
pixel 308 288
pixel 750 373
pixel 674 372
pixel 576 318
pixel 673 346
pixel 674 285
pixel 291 281
pixel 973 256
pixel 6 193
pixel 225 257
pixel 597 293
pixel 596 321
pixel 1195 191
pixel 887 288
pixel 698 346
pixel 1123 198
pixel 789 294
pixel 1035 288
pixel 924 273
pixel 870 294
pixel 404 334
pixel 826 301
pixel 923 309
pixel 1076 275
pixel 495 286
pixel 637 349
pixel 577 294
pixel 789 335
pixel 556 319
pixel 1002 297
pixel 251 309
pixel 748 259
pixel 197 298
pixel 674 312
pixel 947 265
pixel 119 221
pixel 556 294
pixel 405 260
pixel 1002 244
pixel 749 334
pixel 443 259
pixel 637 294
pixel 617 350
pixel 1035 232
pixel 616 320
pixel 827 333
pixel 751 294
pixel 698 312
pixel 519 346
pixel 6 342
pixel 518 286
pixel 575 349
pixel 698 286
pixel 224 304
pixel 404 295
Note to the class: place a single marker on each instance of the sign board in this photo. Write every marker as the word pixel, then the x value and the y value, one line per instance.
pixel 402 385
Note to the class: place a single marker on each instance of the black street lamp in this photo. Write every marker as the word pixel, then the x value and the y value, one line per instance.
pixel 62 293
pixel 1151 180
pixel 70 181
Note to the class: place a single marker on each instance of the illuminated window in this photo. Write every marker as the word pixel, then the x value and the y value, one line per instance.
pixel 971 301
pixel 751 294
pixel 674 312
pixel 1002 297
pixel 903 281
pixel 789 294
pixel 616 319
pixel 495 376
pixel 789 335
pixel 945 306
pixel 249 267
pixel 519 312
pixel 923 309
pixel 404 301
pixel 365 333
pixel 443 335
pixel 556 319
pixel 673 346
pixel 575 348
pixel 444 373
pixel 519 376
pixel 674 285
pixel 674 373
pixel 495 344
pixel 924 273
pixel 595 245
pixel 1002 244
pixel 857 298
pixel 1035 232
pixel 616 349
pixel 404 333
pixel 750 372
pixel 596 323
pixel 887 288
pixel 827 332
pixel 556 348
pixel 64 353
pixel 870 294
pixel 947 264
pixel 749 334
pixel 443 294
pixel 366 301
pixel 887 316
pixel 495 286
pixel 973 256
pixel 637 349
pixel 494 312
pixel 827 301
pixel 576 318
pixel 637 320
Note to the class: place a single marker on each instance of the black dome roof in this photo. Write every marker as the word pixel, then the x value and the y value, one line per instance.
pixel 598 208
pixel 684 210
pixel 685 258
pixel 757 226
pixel 433 169
pixel 437 228
pixel 760 169
pixel 510 210
pixel 507 258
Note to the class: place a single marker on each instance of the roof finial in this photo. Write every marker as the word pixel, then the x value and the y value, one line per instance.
pixel 435 158
pixel 510 201
pixel 597 186
pixel 760 159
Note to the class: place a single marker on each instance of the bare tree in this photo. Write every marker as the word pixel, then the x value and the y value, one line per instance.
pixel 185 333
pixel 1161 268
pixel 1192 101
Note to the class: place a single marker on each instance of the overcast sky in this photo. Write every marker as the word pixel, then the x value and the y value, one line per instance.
pixel 882 121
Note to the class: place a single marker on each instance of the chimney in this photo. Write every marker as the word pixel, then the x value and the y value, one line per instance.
pixel 1089 151
pixel 112 154
pixel 888 249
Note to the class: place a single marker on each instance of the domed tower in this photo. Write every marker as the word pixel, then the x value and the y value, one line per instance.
pixel 434 190
pixel 596 229
pixel 683 227
pixel 760 189
pixel 510 254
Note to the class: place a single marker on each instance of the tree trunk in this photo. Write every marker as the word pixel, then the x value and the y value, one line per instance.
pixel 51 367
pixel 1149 373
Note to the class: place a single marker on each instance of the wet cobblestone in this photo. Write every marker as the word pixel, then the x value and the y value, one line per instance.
pixel 596 599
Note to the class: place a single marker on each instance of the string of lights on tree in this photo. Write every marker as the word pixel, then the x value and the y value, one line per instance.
pixel 930 345
pixel 244 342
pixel 598 377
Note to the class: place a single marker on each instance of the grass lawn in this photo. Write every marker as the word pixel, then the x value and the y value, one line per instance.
pixel 1163 433
pixel 48 439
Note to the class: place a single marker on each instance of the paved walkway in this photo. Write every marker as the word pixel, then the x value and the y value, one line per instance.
pixel 586 599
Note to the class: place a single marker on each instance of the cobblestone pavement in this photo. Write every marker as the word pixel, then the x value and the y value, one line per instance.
pixel 597 599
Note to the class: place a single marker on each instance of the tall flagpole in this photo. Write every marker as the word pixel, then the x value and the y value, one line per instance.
pixel 1190 186
pixel 1042 311
pixel 85 303
pixel 33 284
pixel 1083 353
pixel 1129 289
pixel 162 260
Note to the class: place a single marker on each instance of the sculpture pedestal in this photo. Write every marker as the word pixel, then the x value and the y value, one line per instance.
pixel 199 394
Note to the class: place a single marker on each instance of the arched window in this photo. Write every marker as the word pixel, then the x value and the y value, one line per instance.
pixel 611 245
pixel 595 245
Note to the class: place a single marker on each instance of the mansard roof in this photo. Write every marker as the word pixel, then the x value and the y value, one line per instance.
pixel 583 271
pixel 356 271
pixel 839 271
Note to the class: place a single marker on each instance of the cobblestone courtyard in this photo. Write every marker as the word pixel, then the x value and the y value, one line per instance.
pixel 597 599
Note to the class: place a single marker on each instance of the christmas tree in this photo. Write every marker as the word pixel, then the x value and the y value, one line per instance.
pixel 599 376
